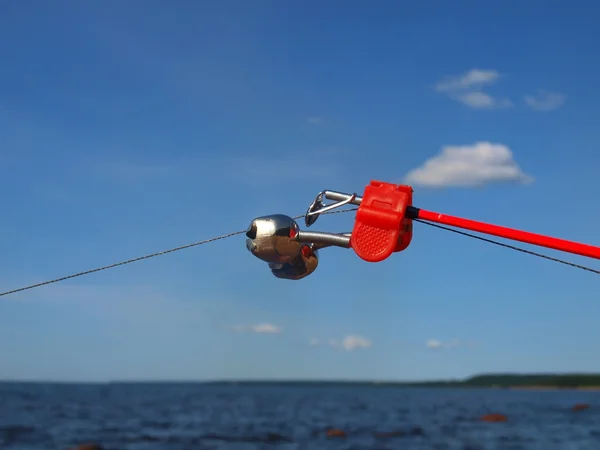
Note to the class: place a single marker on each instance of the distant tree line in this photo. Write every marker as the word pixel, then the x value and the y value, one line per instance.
pixel 543 380
pixel 573 380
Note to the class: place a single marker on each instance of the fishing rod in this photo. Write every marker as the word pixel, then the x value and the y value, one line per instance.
pixel 383 226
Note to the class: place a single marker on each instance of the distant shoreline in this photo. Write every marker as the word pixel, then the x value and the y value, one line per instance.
pixel 530 382
pixel 411 385
pixel 537 382
pixel 554 388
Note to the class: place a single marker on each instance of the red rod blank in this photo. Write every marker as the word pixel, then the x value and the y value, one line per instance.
pixel 508 233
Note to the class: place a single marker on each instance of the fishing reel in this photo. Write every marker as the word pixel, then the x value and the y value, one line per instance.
pixel 277 240
pixel 383 225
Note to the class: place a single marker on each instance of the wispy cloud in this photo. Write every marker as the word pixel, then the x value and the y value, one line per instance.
pixel 350 343
pixel 481 100
pixel 473 79
pixel 468 89
pixel 468 166
pixel 436 344
pixel 545 101
pixel 261 328
pixel 315 120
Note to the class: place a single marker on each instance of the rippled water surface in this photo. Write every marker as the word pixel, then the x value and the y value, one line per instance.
pixel 196 416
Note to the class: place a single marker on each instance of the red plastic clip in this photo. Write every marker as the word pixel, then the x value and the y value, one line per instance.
pixel 381 227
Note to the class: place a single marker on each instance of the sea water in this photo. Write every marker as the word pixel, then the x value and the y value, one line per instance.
pixel 204 416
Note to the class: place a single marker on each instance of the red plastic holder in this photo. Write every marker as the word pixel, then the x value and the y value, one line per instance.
pixel 381 226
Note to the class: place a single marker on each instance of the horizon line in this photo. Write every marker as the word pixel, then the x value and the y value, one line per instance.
pixel 300 380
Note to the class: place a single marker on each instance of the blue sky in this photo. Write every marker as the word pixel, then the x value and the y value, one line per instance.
pixel 132 127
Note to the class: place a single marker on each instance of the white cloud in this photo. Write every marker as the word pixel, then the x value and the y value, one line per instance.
pixel 262 328
pixel 468 166
pixel 467 89
pixel 314 342
pixel 436 344
pixel 351 343
pixel 315 120
pixel 473 79
pixel 266 328
pixel 481 100
pixel 477 99
pixel 545 101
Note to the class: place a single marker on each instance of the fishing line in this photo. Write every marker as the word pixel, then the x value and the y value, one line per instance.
pixel 235 233
pixel 152 255
pixel 122 263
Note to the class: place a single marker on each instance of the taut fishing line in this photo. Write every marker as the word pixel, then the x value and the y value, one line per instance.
pixel 228 235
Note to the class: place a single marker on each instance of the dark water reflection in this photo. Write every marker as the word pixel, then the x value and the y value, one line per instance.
pixel 195 416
